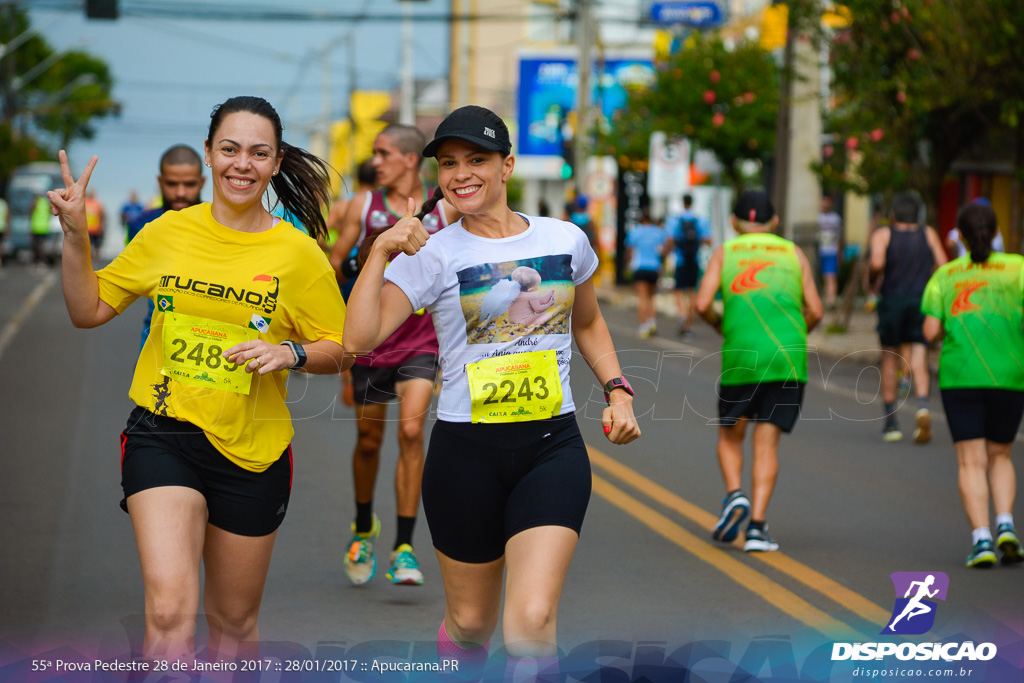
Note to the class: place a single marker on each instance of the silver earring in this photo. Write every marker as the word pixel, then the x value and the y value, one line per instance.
pixel 208 165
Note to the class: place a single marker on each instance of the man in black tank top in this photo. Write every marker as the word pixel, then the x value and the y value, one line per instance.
pixel 905 255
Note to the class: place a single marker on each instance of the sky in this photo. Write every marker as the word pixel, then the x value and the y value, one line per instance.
pixel 170 73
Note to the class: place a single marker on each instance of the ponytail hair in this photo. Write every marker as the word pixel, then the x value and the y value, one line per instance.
pixel 303 187
pixel 364 248
pixel 429 205
pixel 303 183
pixel 977 226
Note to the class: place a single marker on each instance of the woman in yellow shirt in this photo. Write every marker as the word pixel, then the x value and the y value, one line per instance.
pixel 206 468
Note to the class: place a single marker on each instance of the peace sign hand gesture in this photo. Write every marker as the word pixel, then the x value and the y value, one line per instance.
pixel 68 204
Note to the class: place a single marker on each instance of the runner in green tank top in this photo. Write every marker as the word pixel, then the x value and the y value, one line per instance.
pixel 977 302
pixel 765 334
pixel 979 305
pixel 770 302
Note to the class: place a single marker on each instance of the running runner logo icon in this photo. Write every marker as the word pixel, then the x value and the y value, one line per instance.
pixel 914 610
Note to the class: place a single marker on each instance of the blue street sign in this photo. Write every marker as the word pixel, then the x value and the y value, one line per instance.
pixel 693 13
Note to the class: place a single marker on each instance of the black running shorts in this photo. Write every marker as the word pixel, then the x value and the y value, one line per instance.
pixel 687 275
pixel 160 451
pixel 376 384
pixel 992 414
pixel 485 483
pixel 900 320
pixel 775 402
pixel 650 276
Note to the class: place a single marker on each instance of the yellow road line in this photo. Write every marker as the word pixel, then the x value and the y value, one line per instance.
pixel 853 601
pixel 775 594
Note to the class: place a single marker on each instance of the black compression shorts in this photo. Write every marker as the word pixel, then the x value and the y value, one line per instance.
pixel 992 414
pixel 160 451
pixel 485 483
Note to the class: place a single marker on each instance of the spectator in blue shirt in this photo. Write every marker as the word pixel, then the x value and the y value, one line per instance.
pixel 646 246
pixel 689 232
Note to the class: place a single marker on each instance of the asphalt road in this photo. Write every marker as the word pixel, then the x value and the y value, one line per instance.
pixel 848 511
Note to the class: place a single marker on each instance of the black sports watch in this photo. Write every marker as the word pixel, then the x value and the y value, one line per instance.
pixel 298 352
pixel 616 383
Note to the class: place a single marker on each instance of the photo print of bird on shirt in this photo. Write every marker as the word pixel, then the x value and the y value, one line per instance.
pixel 505 301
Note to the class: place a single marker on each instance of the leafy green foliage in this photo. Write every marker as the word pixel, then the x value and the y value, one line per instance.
pixel 723 100
pixel 79 88
pixel 917 83
pixel 47 99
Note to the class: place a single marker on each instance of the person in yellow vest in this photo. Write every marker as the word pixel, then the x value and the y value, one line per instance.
pixel 770 303
pixel 41 230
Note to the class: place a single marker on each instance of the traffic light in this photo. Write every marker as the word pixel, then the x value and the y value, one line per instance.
pixel 567 159
pixel 101 9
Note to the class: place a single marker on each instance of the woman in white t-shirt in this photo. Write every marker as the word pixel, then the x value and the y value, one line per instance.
pixel 507 476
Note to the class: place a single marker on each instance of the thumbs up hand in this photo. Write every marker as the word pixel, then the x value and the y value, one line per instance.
pixel 407 235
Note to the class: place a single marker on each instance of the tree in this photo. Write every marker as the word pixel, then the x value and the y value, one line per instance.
pixel 723 100
pixel 47 99
pixel 918 83
pixel 76 93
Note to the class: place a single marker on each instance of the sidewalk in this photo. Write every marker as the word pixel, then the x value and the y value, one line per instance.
pixel 860 338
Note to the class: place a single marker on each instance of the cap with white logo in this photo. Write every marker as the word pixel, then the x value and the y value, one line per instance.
pixel 476 125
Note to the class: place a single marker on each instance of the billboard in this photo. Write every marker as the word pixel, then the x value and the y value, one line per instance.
pixel 547 97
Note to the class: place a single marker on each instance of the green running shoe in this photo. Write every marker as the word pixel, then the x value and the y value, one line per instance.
pixel 981 555
pixel 405 569
pixel 1009 544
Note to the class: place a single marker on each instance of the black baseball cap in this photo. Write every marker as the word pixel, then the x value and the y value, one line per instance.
pixel 477 125
pixel 754 206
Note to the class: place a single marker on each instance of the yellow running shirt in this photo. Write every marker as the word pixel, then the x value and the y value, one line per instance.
pixel 276 285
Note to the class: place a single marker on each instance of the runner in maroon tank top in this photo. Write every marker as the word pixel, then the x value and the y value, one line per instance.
pixel 403 367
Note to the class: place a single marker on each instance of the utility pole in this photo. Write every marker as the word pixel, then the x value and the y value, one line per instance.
pixel 780 167
pixel 581 137
pixel 464 29
pixel 407 111
pixel 323 146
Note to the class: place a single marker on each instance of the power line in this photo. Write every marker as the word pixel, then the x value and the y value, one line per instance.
pixel 233 12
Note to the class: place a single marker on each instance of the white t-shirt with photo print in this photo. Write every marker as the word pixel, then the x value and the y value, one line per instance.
pixel 494 297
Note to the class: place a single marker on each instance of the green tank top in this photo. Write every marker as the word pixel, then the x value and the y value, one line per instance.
pixel 41 217
pixel 763 322
pixel 981 306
